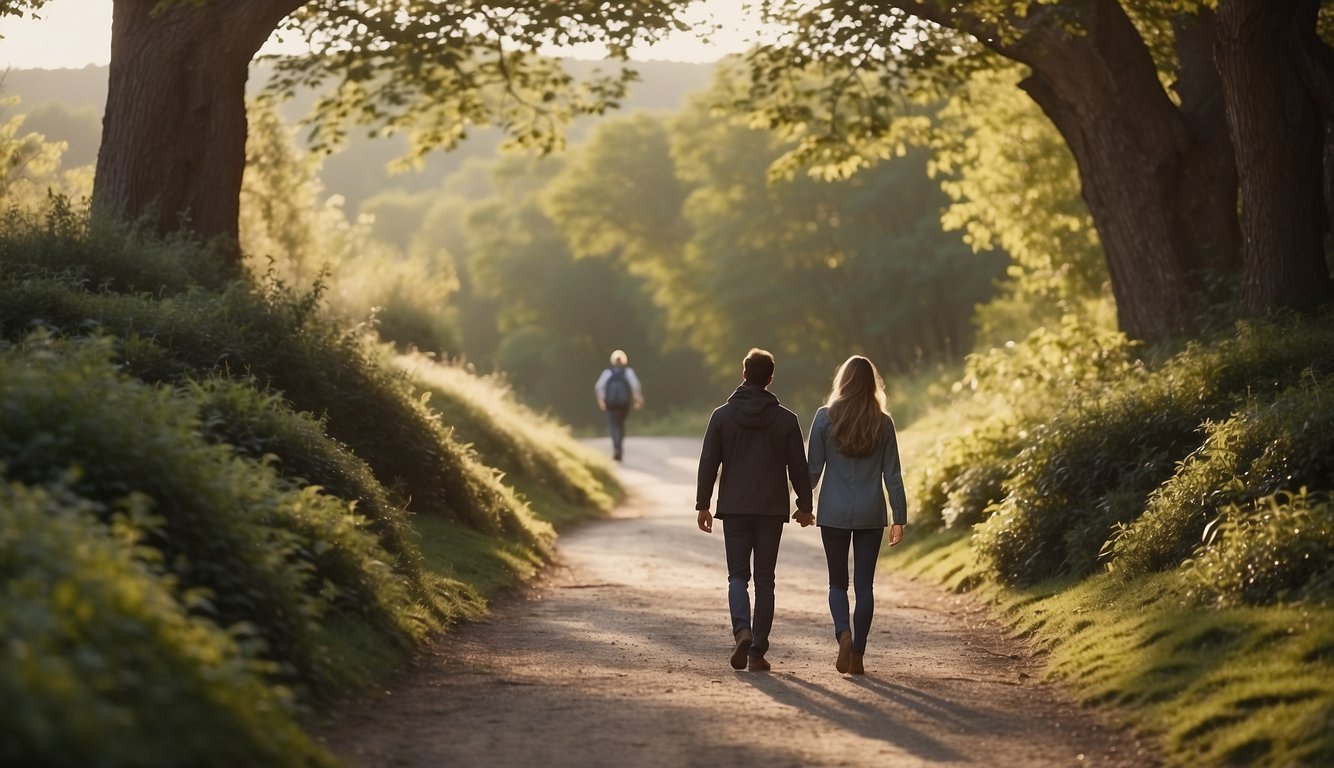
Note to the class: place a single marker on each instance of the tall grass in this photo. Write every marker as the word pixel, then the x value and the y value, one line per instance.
pixel 532 449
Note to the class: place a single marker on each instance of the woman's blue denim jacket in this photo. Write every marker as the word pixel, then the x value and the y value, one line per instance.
pixel 854 489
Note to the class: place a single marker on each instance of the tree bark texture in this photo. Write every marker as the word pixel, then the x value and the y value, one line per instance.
pixel 1279 137
pixel 174 130
pixel 1208 191
pixel 1159 180
pixel 1316 60
pixel 1135 154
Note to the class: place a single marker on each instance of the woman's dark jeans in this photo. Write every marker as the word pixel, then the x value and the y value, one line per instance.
pixel 744 536
pixel 865 543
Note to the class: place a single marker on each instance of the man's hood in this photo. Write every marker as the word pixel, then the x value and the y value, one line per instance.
pixel 755 407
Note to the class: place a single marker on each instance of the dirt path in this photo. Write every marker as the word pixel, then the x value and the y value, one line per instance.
pixel 619 658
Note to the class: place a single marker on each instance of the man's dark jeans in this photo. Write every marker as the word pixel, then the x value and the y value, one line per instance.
pixel 616 426
pixel 747 536
pixel 865 544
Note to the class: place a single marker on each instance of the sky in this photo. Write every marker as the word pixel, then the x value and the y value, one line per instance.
pixel 76 33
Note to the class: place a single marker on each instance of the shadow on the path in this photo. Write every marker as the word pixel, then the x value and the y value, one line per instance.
pixel 937 708
pixel 872 715
pixel 622 660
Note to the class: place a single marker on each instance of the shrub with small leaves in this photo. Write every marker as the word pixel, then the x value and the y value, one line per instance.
pixel 101 663
pixel 1086 470
pixel 1090 468
pixel 278 338
pixel 266 552
pixel 260 424
pixel 247 463
pixel 1011 389
pixel 104 256
pixel 1268 446
pixel 963 475
pixel 1049 363
pixel 1279 550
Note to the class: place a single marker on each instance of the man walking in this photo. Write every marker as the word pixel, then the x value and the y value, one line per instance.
pixel 617 389
pixel 757 442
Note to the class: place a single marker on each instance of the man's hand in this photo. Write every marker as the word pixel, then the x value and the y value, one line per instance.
pixel 805 518
pixel 895 535
pixel 705 521
pixel 602 405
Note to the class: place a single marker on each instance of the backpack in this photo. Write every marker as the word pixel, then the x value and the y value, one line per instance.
pixel 617 393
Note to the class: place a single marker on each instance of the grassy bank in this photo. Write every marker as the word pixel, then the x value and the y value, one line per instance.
pixel 1163 531
pixel 219 508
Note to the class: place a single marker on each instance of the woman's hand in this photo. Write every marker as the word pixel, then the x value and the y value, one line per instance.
pixel 895 535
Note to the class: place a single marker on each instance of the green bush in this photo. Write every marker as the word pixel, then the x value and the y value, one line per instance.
pixel 530 448
pixel 410 299
pixel 412 326
pixel 1002 394
pixel 963 475
pixel 100 663
pixel 1046 365
pixel 257 424
pixel 268 553
pixel 1090 469
pixel 262 426
pixel 1260 358
pixel 278 338
pixel 1278 550
pixel 1266 447
pixel 253 463
pixel 144 328
pixel 103 256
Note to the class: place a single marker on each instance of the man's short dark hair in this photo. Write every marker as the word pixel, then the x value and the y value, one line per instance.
pixel 758 367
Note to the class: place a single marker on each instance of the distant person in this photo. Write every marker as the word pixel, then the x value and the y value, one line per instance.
pixel 854 447
pixel 757 442
pixel 618 391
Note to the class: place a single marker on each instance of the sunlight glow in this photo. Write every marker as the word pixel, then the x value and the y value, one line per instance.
pixel 77 33
pixel 70 34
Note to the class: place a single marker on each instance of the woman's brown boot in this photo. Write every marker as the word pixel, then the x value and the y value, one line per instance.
pixel 844 651
pixel 855 665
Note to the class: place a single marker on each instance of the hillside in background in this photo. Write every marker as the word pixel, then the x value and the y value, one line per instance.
pixel 66 105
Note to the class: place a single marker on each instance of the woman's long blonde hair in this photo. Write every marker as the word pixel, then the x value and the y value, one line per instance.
pixel 857 407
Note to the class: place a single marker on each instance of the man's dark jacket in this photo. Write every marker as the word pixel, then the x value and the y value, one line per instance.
pixel 758 444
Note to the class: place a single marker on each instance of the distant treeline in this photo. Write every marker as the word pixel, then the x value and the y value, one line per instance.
pixel 661 230
pixel 66 105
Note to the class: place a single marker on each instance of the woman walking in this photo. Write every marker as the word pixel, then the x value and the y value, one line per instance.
pixel 853 445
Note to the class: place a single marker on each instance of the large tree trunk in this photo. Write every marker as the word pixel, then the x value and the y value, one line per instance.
pixel 1280 140
pixel 1207 210
pixel 1316 60
pixel 174 131
pixel 1135 156
pixel 1157 179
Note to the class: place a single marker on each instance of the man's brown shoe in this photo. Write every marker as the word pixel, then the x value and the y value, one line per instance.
pixel 758 664
pixel 855 665
pixel 743 640
pixel 844 651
